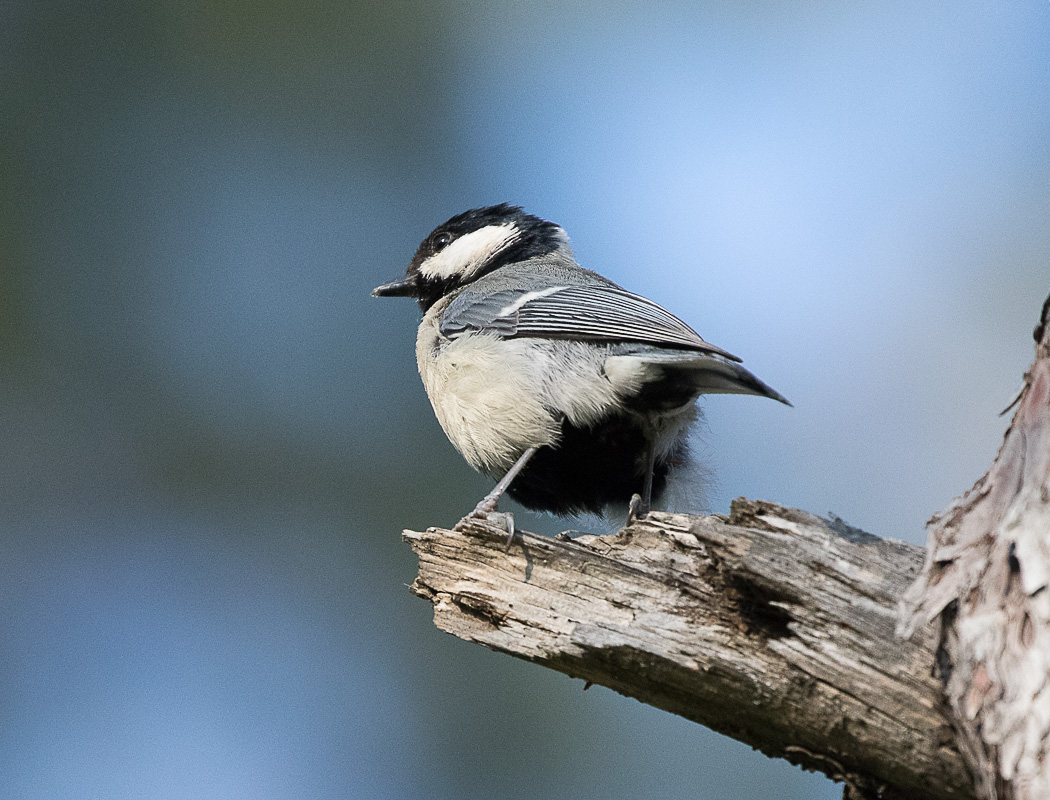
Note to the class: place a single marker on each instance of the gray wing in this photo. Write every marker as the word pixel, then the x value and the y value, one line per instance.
pixel 602 313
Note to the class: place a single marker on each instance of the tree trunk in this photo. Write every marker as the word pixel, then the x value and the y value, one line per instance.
pixel 985 580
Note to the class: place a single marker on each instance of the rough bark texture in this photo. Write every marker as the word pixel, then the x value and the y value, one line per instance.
pixel 985 580
pixel 772 626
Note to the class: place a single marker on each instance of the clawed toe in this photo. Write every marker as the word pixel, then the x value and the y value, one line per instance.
pixel 499 519
pixel 636 509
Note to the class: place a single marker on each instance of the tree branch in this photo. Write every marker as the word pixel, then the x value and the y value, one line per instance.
pixel 773 626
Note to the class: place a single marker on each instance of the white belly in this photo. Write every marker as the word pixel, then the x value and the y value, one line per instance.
pixel 497 397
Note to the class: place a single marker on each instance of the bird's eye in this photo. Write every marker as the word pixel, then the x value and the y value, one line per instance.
pixel 442 240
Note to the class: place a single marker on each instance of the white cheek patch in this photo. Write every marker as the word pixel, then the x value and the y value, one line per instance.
pixel 469 253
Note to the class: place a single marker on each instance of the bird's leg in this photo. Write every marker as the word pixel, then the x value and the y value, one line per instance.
pixel 650 468
pixel 641 504
pixel 489 502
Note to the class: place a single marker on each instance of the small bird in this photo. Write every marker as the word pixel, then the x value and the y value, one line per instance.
pixel 571 391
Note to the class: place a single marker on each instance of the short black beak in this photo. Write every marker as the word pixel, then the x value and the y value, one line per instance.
pixel 405 288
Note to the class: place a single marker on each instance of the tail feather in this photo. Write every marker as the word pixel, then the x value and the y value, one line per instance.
pixel 702 373
pixel 731 378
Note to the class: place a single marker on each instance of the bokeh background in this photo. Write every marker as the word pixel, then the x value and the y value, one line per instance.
pixel 212 436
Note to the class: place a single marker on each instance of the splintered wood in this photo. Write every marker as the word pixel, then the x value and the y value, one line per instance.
pixel 773 626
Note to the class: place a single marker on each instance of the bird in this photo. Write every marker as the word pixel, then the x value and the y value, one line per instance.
pixel 573 393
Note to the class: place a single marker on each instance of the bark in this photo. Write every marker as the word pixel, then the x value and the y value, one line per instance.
pixel 772 626
pixel 985 582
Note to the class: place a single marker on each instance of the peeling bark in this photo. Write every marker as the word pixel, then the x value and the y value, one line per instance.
pixel 985 582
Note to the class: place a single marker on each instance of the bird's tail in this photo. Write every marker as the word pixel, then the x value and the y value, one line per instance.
pixel 700 373
pixel 716 375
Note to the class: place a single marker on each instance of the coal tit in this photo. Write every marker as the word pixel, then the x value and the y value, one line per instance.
pixel 573 392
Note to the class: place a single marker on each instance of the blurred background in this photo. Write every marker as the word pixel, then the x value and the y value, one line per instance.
pixel 212 436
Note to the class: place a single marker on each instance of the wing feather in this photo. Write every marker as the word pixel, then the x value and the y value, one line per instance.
pixel 602 313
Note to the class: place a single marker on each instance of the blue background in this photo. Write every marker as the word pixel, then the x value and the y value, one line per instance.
pixel 212 435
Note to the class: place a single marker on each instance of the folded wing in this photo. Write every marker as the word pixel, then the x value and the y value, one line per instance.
pixel 676 363
pixel 582 313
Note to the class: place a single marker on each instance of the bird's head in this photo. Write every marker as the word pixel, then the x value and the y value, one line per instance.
pixel 470 245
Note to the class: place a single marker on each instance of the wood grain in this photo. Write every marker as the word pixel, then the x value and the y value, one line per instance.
pixel 772 625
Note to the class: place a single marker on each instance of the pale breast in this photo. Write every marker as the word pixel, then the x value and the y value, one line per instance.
pixel 483 390
pixel 496 397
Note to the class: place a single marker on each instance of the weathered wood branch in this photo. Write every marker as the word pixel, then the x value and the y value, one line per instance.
pixel 773 626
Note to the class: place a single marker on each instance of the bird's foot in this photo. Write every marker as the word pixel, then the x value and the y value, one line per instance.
pixel 486 512
pixel 636 509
